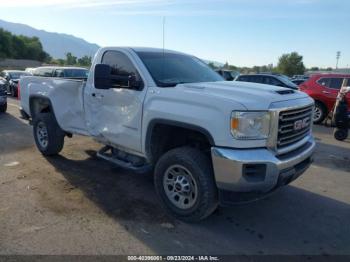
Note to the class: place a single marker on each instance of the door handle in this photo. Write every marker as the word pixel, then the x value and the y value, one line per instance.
pixel 99 96
pixel 326 92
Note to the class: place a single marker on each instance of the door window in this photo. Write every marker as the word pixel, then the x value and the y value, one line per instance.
pixel 122 68
pixel 243 78
pixel 59 73
pixel 336 83
pixel 331 82
pixel 272 81
pixel 257 79
pixel 324 82
pixel 45 72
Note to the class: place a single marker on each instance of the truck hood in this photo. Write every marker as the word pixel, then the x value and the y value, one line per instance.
pixel 252 96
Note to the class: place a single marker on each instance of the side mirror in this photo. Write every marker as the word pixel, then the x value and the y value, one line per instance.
pixel 102 76
pixel 133 83
pixel 104 79
pixel 347 89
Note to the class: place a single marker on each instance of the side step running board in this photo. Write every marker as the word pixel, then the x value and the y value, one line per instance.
pixel 103 154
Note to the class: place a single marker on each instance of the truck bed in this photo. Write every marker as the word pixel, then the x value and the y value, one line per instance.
pixel 66 98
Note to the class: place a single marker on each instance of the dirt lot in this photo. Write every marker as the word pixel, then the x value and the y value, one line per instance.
pixel 78 204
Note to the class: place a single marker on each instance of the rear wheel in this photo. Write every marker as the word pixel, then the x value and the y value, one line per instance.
pixel 3 108
pixel 185 184
pixel 320 113
pixel 49 137
pixel 340 134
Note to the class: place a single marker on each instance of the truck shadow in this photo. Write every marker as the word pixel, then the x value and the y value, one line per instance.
pixel 292 220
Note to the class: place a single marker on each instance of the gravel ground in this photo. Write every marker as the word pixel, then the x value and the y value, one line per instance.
pixel 77 204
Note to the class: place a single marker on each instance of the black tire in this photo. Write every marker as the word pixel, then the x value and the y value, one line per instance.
pixel 323 112
pixel 340 134
pixel 3 108
pixel 55 135
pixel 13 91
pixel 202 173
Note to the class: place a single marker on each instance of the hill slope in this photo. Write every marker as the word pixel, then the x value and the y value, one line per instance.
pixel 57 45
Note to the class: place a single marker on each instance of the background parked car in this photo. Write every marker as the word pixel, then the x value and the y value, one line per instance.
pixel 298 81
pixel 64 72
pixel 324 88
pixel 228 75
pixel 3 96
pixel 30 70
pixel 12 77
pixel 268 79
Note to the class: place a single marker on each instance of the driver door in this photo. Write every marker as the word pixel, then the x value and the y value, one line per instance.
pixel 114 114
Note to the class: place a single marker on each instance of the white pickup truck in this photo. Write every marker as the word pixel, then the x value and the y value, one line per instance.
pixel 208 141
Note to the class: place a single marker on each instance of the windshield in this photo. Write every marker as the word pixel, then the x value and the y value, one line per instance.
pixel 286 81
pixel 169 69
pixel 17 75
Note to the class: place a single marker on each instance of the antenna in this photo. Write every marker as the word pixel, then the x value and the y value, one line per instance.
pixel 163 33
pixel 163 60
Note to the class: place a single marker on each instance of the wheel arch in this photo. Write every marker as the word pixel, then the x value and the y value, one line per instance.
pixel 39 104
pixel 172 124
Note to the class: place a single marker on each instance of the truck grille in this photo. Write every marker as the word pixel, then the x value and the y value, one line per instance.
pixel 293 126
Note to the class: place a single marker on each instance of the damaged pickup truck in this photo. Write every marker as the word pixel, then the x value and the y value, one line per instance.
pixel 207 141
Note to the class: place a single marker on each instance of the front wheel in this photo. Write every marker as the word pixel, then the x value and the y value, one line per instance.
pixel 3 108
pixel 320 113
pixel 185 184
pixel 13 91
pixel 49 137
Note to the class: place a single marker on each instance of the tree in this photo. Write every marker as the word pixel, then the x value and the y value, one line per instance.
pixel 21 47
pixel 291 64
pixel 211 64
pixel 71 59
pixel 232 67
pixel 85 61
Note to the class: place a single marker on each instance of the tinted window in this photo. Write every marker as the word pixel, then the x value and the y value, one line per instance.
pixel 243 78
pixel 285 81
pixel 324 81
pixel 227 75
pixel 17 75
pixel 336 83
pixel 76 73
pixel 45 72
pixel 169 69
pixel 256 79
pixel 121 66
pixel 272 81
pixel 59 73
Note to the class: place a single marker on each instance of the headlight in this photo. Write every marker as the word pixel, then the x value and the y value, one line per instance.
pixel 250 125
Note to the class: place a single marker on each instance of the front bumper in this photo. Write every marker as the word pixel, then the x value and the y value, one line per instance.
pixel 259 170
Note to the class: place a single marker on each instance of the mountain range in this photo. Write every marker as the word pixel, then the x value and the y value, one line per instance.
pixel 56 44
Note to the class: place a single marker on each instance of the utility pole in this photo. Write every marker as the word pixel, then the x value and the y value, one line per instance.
pixel 337 57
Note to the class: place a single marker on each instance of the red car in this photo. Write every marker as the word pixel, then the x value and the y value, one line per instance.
pixel 324 88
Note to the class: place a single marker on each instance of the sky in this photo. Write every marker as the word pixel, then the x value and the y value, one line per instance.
pixel 240 32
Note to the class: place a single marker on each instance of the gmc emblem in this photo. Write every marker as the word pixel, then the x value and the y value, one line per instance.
pixel 300 124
